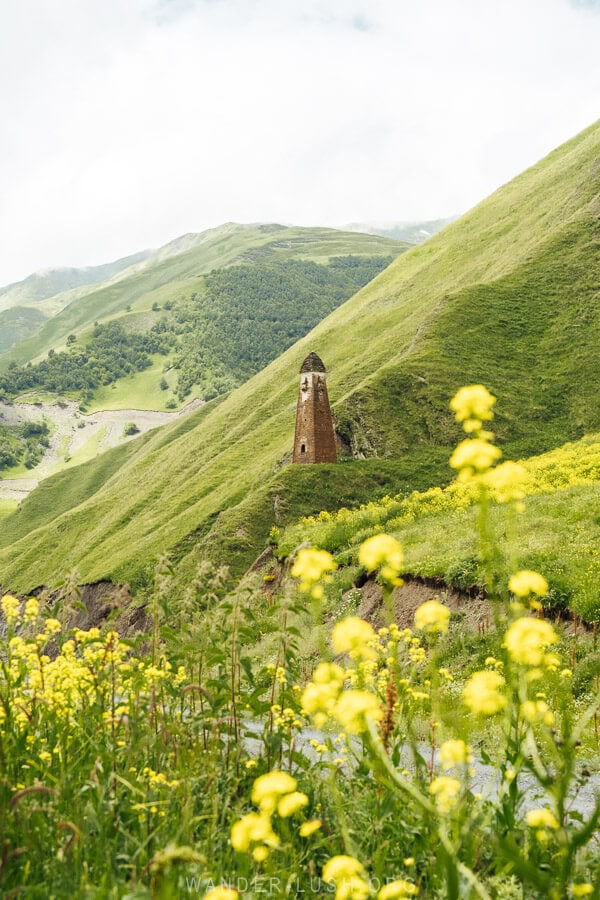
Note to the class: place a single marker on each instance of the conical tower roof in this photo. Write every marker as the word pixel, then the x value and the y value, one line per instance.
pixel 313 363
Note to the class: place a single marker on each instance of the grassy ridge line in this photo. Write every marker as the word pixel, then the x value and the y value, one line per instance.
pixel 182 273
pixel 166 493
pixel 40 287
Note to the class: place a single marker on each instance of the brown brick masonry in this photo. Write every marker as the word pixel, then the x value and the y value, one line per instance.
pixel 314 441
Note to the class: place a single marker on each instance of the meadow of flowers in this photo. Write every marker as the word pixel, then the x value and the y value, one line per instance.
pixel 575 464
pixel 213 758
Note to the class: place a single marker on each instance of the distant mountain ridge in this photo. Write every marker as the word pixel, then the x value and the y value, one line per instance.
pixel 48 283
pixel 411 232
pixel 177 269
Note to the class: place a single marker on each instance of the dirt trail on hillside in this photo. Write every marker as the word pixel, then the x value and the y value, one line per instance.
pixel 72 430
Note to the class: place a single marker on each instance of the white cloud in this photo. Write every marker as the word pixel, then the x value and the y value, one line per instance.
pixel 126 124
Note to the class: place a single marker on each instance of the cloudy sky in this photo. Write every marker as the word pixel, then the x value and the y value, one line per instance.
pixel 124 123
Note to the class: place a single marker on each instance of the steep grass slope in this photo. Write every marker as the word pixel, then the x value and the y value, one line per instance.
pixel 556 533
pixel 507 295
pixel 177 270
pixel 18 323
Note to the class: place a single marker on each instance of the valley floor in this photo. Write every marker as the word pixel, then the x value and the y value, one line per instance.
pixel 75 437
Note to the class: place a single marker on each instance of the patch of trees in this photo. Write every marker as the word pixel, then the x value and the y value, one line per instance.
pixel 249 314
pixel 23 444
pixel 110 354
pixel 244 317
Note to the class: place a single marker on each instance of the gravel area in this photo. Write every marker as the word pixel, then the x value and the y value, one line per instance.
pixel 72 430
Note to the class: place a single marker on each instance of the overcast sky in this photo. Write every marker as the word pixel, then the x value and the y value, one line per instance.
pixel 124 123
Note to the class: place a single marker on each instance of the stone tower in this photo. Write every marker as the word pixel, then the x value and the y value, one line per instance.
pixel 315 436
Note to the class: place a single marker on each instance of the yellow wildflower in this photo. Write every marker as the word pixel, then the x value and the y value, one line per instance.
pixel 308 828
pixel 474 456
pixel 222 893
pixel 10 608
pixel 383 552
pixel 32 608
pixel 483 693
pixel 507 481
pixel 398 890
pixel 432 616
pixel 268 789
pixel 320 695
pixel 52 627
pixel 473 403
pixel 85 637
pixel 354 708
pixel 527 639
pixel 454 753
pixel 348 874
pixel 446 791
pixel 537 711
pixel 180 677
pixel 291 803
pixel 252 829
pixel 311 565
pixel 526 582
pixel 582 889
pixel 542 818
pixel 355 636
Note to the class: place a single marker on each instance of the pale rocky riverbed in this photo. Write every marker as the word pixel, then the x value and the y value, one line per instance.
pixel 485 779
pixel 71 430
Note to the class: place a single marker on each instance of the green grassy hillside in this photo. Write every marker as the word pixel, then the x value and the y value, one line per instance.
pixel 508 295
pixel 556 533
pixel 18 323
pixel 232 326
pixel 177 270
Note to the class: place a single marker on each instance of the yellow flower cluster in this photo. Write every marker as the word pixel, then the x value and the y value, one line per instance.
pixel 474 456
pixel 10 608
pixel 526 582
pixel 446 792
pixel 221 893
pixel 311 567
pixel 324 698
pixel 483 693
pixel 472 406
pixel 158 779
pixel 349 877
pixel 273 792
pixel 454 753
pixel 351 881
pixel 355 637
pixel 383 552
pixel 534 711
pixel 88 670
pixel 432 616
pixel 526 641
pixel 542 818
